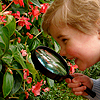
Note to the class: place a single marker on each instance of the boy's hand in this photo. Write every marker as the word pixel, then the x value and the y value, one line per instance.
pixel 77 81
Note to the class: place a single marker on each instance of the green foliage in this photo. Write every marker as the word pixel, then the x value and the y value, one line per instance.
pixel 60 91
pixel 12 63
pixel 92 72
pixel 7 83
pixel 36 2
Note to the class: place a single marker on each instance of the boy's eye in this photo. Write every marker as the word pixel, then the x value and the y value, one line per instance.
pixel 64 40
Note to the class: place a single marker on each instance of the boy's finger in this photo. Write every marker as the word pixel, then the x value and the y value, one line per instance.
pixel 78 89
pixel 76 74
pixel 68 80
pixel 81 79
pixel 74 85
pixel 78 93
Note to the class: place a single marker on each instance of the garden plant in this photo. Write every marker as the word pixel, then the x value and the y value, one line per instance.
pixel 20 34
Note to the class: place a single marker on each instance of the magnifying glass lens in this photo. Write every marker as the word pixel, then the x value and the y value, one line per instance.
pixel 51 62
pixel 53 65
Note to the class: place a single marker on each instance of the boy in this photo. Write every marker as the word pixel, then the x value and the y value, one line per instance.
pixel 75 25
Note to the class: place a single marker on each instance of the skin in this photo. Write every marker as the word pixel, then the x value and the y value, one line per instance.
pixel 77 81
pixel 84 48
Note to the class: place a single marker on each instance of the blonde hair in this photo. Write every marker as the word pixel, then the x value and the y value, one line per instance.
pixel 80 14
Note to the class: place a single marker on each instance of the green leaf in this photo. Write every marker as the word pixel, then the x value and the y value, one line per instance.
pixel 50 82
pixel 2 98
pixel 20 46
pixel 36 42
pixel 1 52
pixel 4 40
pixel 22 96
pixel 34 31
pixel 30 66
pixel 0 65
pixel 36 2
pixel 16 8
pixel 7 84
pixel 11 25
pixel 2 44
pixel 56 47
pixel 1 81
pixel 0 11
pixel 17 83
pixel 17 55
pixel 18 68
pixel 5 33
pixel 7 58
pixel 42 1
pixel 18 33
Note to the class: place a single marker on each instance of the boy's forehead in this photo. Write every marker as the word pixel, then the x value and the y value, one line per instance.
pixel 56 31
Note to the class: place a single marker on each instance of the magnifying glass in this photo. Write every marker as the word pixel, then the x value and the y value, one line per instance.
pixel 52 65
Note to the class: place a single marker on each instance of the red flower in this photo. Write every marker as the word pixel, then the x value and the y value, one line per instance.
pixel 16 15
pixel 26 73
pixel 2 19
pixel 29 89
pixel 36 88
pixel 46 89
pixel 30 13
pixel 20 2
pixel 10 71
pixel 30 2
pixel 27 94
pixel 35 12
pixel 7 13
pixel 30 35
pixel 3 6
pixel 24 53
pixel 72 68
pixel 39 30
pixel 19 40
pixel 27 33
pixel 21 23
pixel 29 80
pixel 44 7
pixel 44 82
pixel 24 21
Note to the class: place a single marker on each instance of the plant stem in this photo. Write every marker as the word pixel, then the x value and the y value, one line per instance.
pixel 26 41
pixel 13 97
pixel 37 35
pixel 13 40
pixel 24 85
pixel 16 69
pixel 7 6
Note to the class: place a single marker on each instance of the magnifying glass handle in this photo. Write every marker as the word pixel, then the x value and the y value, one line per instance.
pixel 69 76
pixel 88 90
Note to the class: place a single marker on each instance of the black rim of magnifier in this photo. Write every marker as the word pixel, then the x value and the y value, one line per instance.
pixel 51 75
pixel 43 69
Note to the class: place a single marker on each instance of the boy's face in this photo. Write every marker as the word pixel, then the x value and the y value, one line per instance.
pixel 77 45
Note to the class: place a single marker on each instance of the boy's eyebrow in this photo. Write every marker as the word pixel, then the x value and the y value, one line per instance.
pixel 60 36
